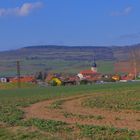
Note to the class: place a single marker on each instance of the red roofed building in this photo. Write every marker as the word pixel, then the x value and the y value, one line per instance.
pixel 87 72
pixel 91 74
pixel 24 79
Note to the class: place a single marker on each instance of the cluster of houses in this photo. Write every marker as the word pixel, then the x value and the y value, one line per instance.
pixel 83 77
pixel 25 79
pixel 57 79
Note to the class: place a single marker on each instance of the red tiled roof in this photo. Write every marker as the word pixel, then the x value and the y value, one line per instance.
pixel 87 72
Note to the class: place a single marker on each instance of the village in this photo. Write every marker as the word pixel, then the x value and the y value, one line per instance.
pixel 69 70
pixel 89 76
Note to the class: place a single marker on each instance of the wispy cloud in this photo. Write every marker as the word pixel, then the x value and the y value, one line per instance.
pixel 126 11
pixel 24 10
pixel 130 36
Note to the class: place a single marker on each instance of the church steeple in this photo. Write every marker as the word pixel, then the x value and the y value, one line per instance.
pixel 94 62
pixel 94 65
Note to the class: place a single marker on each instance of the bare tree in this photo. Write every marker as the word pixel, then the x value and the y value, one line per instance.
pixel 134 60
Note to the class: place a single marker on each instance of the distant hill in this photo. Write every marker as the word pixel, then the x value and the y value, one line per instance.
pixel 61 58
pixel 59 52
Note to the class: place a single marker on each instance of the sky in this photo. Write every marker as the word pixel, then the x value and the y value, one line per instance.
pixel 69 22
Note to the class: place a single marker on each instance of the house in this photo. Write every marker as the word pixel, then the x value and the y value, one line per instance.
pixel 24 79
pixel 3 80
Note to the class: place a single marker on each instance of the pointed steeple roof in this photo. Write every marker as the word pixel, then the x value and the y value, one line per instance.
pixel 94 63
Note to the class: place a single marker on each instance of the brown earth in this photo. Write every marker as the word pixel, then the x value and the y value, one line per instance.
pixel 120 119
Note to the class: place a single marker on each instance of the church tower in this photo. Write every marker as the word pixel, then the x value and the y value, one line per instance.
pixel 94 66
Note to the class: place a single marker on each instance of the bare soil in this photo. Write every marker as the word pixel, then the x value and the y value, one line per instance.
pixel 120 119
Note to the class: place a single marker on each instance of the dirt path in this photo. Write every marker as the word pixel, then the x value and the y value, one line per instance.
pixel 72 105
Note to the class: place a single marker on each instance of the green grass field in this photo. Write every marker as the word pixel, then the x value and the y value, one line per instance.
pixel 8 68
pixel 13 126
pixel 129 99
pixel 15 85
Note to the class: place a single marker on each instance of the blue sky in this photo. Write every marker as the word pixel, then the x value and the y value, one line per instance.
pixel 68 22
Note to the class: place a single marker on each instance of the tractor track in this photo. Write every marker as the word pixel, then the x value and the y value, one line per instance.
pixel 128 118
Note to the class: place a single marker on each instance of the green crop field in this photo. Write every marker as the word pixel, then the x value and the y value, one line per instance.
pixel 115 97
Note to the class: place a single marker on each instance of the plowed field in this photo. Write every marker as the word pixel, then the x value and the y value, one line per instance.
pixel 71 110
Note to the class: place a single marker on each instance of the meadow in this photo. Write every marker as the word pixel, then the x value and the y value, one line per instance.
pixel 8 68
pixel 117 97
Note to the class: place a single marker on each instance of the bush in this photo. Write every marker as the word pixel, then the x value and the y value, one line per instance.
pixel 53 83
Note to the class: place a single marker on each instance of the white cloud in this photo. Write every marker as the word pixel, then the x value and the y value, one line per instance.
pixel 24 10
pixel 126 11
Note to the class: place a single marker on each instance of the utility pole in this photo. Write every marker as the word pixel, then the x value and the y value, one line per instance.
pixel 18 74
pixel 134 63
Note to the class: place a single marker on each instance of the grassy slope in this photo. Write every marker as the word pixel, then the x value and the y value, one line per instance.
pixel 11 100
pixel 33 66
